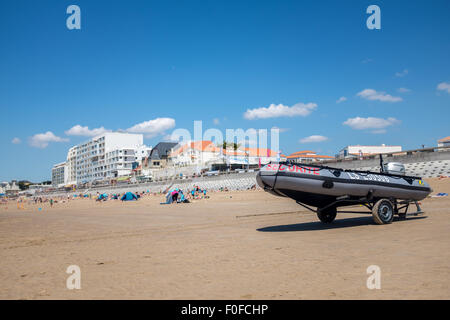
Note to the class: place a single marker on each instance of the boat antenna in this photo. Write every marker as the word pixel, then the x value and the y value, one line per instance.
pixel 381 163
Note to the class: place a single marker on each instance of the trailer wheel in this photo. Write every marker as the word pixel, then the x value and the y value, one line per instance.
pixel 383 212
pixel 328 215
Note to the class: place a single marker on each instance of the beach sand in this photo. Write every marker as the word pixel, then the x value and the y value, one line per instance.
pixel 235 245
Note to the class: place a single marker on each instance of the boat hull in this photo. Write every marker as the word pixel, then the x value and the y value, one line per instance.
pixel 319 186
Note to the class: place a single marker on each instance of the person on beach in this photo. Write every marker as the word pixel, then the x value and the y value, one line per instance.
pixel 174 196
pixel 51 202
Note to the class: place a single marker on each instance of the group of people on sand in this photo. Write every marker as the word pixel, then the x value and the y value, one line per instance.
pixel 177 195
pixel 23 202
pixel 197 193
pixel 118 196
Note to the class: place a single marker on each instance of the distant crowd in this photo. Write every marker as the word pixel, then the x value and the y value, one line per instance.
pixel 175 195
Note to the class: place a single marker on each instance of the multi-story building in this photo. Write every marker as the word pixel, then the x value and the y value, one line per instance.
pixel 205 153
pixel 195 153
pixel 58 174
pixel 262 155
pixel 444 142
pixel 71 166
pixel 9 189
pixel 110 155
pixel 358 151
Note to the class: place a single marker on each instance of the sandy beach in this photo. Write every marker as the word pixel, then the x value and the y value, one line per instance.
pixel 235 245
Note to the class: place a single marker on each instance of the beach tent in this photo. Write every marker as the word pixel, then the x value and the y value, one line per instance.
pixel 103 196
pixel 169 194
pixel 169 199
pixel 181 197
pixel 129 196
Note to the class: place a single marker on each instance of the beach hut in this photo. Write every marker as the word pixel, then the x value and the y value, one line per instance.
pixel 129 196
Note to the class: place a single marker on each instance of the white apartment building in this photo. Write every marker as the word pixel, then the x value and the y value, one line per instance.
pixel 106 156
pixel 58 174
pixel 357 150
pixel 71 166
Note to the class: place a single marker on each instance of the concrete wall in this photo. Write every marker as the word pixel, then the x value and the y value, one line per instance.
pixel 234 181
pixel 424 164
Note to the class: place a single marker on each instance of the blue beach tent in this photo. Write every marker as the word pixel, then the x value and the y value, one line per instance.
pixel 103 196
pixel 129 196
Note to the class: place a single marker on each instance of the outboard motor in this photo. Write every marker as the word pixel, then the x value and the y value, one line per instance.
pixel 394 168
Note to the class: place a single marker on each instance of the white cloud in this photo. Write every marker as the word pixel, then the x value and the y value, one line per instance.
pixel 445 86
pixel 371 94
pixel 403 90
pixel 169 138
pixel 16 141
pixel 313 138
pixel 378 124
pixel 402 73
pixel 216 121
pixel 152 128
pixel 341 99
pixel 280 110
pixel 78 130
pixel 41 140
pixel 367 60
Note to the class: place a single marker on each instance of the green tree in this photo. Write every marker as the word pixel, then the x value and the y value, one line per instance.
pixel 226 144
pixel 24 185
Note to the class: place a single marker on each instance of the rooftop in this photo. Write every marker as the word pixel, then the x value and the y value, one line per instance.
pixel 308 154
pixel 444 139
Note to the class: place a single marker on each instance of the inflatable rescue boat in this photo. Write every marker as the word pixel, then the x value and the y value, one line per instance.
pixel 386 193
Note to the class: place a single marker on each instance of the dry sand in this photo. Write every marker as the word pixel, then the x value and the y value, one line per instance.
pixel 235 245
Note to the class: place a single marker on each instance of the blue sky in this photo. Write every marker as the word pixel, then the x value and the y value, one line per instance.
pixel 135 61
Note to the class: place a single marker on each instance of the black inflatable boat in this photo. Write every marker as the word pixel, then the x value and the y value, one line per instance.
pixel 326 188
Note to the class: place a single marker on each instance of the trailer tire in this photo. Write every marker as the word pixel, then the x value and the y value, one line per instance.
pixel 328 215
pixel 383 211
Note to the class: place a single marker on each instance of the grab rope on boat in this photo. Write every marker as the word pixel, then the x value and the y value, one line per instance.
pixel 317 168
